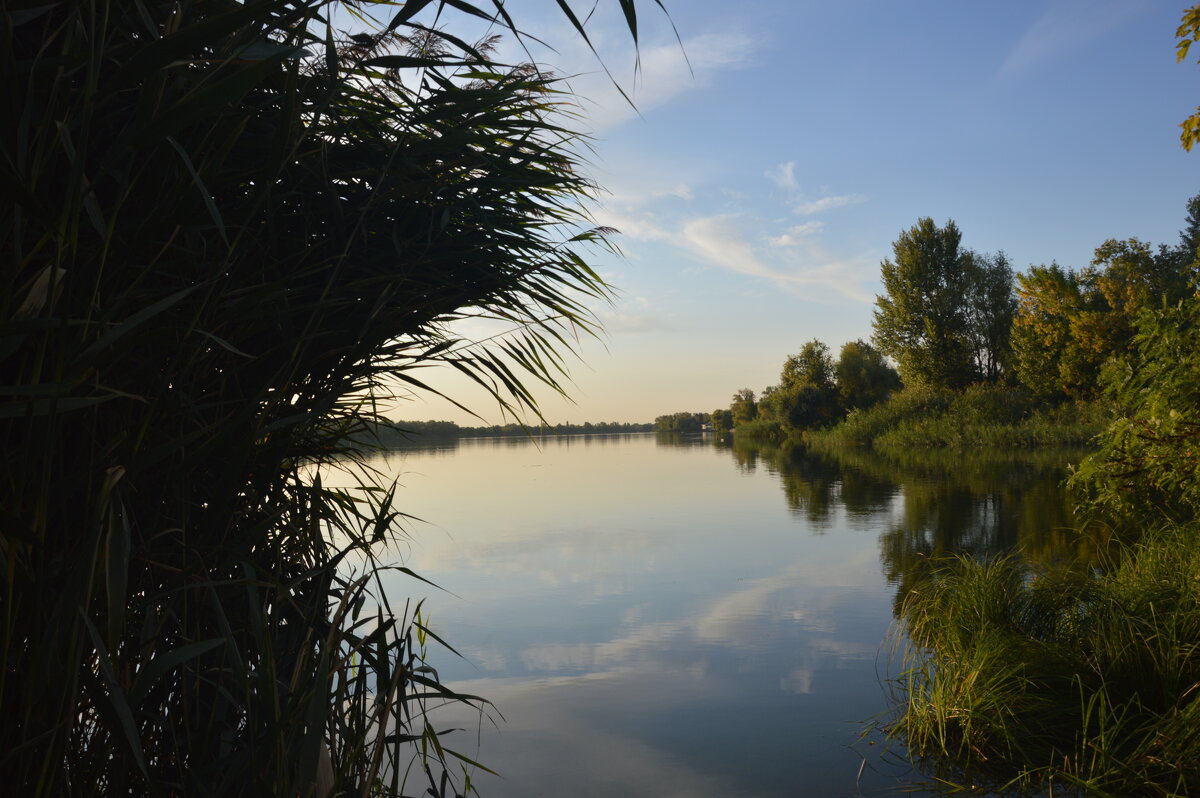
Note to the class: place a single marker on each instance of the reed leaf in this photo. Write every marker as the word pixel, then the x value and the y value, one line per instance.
pixel 229 228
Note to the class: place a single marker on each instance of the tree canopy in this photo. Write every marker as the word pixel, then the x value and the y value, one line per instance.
pixel 922 318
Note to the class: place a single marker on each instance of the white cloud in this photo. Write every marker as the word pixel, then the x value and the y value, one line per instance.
pixel 828 203
pixel 804 271
pixel 637 225
pixel 784 176
pixel 794 236
pixel 683 191
pixel 1065 26
pixel 664 75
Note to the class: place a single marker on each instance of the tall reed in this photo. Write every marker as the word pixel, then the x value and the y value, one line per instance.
pixel 229 232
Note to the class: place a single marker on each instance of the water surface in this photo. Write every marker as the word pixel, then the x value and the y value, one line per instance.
pixel 679 617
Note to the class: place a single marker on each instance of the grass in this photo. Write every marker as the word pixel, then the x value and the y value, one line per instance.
pixel 760 429
pixel 980 416
pixel 1085 681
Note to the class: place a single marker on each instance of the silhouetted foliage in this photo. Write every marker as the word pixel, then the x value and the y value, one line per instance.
pixel 229 229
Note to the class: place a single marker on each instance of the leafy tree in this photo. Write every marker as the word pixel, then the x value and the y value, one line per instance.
pixel 1069 324
pixel 1189 241
pixel 681 422
pixel 991 305
pixel 812 365
pixel 923 318
pixel 1148 465
pixel 1049 298
pixel 1188 33
pixel 721 420
pixel 743 408
pixel 806 396
pixel 864 377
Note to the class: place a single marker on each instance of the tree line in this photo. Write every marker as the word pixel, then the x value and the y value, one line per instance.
pixel 951 317
pixel 398 434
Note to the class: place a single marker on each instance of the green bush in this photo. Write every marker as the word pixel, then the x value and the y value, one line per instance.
pixel 1148 464
pixel 760 429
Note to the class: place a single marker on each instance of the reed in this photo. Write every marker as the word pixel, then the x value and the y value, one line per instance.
pixel 230 231
pixel 1074 680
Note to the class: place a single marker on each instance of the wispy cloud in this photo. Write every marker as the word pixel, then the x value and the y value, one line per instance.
pixel 719 240
pixel 666 73
pixel 1065 26
pixel 784 176
pixel 639 225
pixel 808 208
pixel 794 236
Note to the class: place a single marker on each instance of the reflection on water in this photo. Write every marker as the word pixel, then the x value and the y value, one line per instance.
pixel 652 620
pixel 975 503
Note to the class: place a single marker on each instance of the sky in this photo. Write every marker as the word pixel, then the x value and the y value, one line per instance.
pixel 757 191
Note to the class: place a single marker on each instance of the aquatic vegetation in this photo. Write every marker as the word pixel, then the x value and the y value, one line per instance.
pixel 1087 680
pixel 230 231
pixel 979 416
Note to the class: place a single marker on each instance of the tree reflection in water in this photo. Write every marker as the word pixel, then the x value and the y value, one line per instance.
pixel 932 502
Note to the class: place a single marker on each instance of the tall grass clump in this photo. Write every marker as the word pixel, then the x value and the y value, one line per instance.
pixel 229 230
pixel 978 416
pixel 863 427
pixel 1079 680
pixel 760 429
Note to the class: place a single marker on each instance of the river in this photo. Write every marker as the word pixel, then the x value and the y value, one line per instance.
pixel 683 617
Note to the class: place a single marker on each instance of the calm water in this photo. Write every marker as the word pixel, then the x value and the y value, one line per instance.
pixel 683 618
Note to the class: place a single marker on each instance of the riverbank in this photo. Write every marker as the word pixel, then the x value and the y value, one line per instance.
pixel 976 417
pixel 1083 680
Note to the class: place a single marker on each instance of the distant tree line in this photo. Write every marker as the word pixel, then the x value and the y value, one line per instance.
pixel 951 317
pixel 683 422
pixel 397 434
pixel 814 390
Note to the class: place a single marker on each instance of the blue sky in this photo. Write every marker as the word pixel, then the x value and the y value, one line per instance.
pixel 758 192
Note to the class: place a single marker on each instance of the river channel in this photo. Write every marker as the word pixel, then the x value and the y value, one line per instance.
pixel 685 617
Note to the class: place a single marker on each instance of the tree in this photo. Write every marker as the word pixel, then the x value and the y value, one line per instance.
pixel 991 306
pixel 812 365
pixel 806 396
pixel 1049 298
pixel 743 408
pixel 864 377
pixel 721 420
pixel 1148 463
pixel 1188 33
pixel 681 422
pixel 1069 324
pixel 923 318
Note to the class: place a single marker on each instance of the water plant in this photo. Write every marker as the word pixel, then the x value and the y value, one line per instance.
pixel 1084 681
pixel 230 231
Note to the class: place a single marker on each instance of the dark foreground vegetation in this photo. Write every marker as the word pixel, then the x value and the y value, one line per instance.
pixel 227 226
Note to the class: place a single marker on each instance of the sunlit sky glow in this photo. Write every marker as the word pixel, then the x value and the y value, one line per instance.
pixel 758 191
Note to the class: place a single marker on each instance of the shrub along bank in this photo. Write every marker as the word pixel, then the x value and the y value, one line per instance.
pixel 978 416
